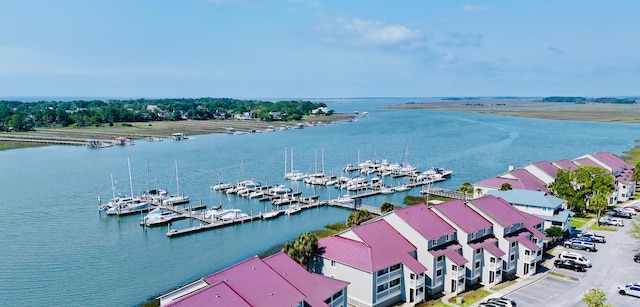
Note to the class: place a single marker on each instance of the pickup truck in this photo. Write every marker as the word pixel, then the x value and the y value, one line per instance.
pixel 577 244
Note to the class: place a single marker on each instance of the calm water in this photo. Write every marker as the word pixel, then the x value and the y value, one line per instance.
pixel 57 249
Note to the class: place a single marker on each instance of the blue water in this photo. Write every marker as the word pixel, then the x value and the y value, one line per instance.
pixel 57 249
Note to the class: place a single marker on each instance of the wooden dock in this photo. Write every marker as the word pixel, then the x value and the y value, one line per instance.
pixel 447 193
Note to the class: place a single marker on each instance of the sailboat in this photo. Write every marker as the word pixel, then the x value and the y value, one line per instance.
pixel 126 205
pixel 294 175
pixel 176 198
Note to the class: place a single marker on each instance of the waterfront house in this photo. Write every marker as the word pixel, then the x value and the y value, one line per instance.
pixel 518 233
pixel 474 235
pixel 435 239
pixel 273 281
pixel 621 170
pixel 517 178
pixel 541 204
pixel 377 261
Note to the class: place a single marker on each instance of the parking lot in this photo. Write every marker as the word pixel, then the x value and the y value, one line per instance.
pixel 613 265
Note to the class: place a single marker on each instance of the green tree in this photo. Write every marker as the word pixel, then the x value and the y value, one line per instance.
pixel 302 248
pixel 358 217
pixel 466 188
pixel 554 232
pixel 597 204
pixel 387 207
pixel 505 187
pixel 579 185
pixel 595 297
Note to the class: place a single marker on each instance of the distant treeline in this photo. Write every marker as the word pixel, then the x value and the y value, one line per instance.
pixel 25 116
pixel 589 100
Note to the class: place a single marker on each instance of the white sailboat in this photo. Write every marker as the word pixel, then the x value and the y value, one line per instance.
pixel 293 175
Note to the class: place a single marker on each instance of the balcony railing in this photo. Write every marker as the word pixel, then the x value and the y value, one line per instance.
pixel 457 274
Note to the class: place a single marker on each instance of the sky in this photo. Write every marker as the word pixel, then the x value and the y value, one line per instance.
pixel 318 49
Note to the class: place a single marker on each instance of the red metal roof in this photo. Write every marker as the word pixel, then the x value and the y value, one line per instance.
pixel 381 247
pixel 216 295
pixel 451 251
pixel 316 288
pixel 258 284
pixel 489 244
pixel 425 221
pixel 463 216
pixel 498 209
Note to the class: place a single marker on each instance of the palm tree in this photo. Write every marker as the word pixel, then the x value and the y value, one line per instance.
pixel 358 217
pixel 386 207
pixel 302 248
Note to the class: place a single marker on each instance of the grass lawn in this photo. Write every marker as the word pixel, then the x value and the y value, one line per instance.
pixel 579 221
pixel 471 296
pixel 603 228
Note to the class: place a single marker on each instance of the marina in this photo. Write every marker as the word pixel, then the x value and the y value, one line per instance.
pixel 163 209
pixel 99 253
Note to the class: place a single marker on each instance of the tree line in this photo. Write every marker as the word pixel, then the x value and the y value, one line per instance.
pixel 583 100
pixel 25 116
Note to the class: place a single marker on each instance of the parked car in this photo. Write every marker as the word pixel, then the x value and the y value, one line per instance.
pixel 576 257
pixel 569 264
pixel 598 238
pixel 577 244
pixel 619 213
pixel 607 221
pixel 585 239
pixel 630 209
pixel 502 301
pixel 636 257
pixel 630 289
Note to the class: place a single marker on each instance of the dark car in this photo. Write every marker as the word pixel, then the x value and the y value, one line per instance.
pixel 585 239
pixel 620 213
pixel 636 257
pixel 596 237
pixel 569 264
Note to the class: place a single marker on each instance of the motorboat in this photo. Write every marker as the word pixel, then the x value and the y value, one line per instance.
pixel 292 209
pixel 280 189
pixel 272 214
pixel 126 207
pixel 159 216
pixel 220 214
pixel 221 186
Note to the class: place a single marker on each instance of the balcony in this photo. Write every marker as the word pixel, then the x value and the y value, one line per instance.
pixel 528 258
pixel 492 266
pixel 415 283
pixel 457 274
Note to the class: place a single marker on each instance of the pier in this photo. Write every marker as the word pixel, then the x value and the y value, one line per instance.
pixel 447 193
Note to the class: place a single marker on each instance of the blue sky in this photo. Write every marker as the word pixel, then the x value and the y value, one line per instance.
pixel 318 49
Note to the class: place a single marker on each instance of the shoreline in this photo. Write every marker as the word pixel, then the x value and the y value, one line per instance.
pixel 596 112
pixel 143 130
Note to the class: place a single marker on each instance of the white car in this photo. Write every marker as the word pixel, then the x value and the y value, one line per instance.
pixel 630 289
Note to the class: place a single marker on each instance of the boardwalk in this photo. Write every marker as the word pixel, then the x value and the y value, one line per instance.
pixel 447 193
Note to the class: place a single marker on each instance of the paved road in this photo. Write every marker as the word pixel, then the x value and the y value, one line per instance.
pixel 612 265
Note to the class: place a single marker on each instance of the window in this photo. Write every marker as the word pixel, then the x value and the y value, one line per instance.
pixel 478 251
pixel 439 258
pixel 439 273
pixel 478 264
pixel 513 244
pixel 492 260
pixel 472 235
pixel 454 267
pixel 448 237
pixel 434 242
pixel 333 263
pixel 513 257
pixel 394 267
pixel 527 252
pixel 383 287
pixel 337 295
pixel 394 282
pixel 383 271
pixel 412 276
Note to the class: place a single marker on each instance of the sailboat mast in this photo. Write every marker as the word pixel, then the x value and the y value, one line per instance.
pixel 285 162
pixel 113 187
pixel 177 184
pixel 130 181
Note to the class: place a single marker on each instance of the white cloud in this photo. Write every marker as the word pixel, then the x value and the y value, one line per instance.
pixel 458 39
pixel 473 8
pixel 360 32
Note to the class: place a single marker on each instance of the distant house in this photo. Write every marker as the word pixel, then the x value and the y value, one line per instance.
pixel 541 204
pixel 275 115
pixel 274 281
pixel 244 116
pixel 320 110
